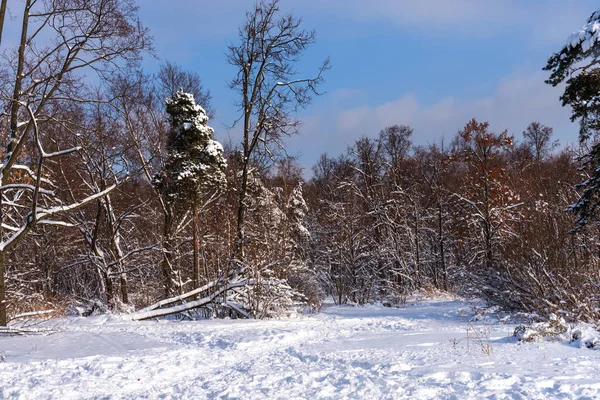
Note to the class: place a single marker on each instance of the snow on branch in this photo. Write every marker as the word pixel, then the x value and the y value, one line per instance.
pixel 161 312
pixel 587 36
pixel 25 186
pixel 41 215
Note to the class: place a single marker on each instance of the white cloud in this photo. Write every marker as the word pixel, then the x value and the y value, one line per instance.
pixel 517 101
pixel 547 21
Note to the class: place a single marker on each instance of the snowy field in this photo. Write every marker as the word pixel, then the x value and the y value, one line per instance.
pixel 421 351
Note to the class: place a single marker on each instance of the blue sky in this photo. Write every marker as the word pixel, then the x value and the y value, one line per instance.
pixel 431 64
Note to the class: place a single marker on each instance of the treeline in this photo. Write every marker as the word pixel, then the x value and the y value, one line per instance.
pixel 479 214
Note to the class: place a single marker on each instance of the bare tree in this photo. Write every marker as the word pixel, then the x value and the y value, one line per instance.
pixel 490 207
pixel 104 159
pixel 396 147
pixel 538 137
pixel 270 44
pixel 59 42
pixel 172 78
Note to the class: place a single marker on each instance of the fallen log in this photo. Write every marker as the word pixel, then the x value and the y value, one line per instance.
pixel 32 314
pixel 10 331
pixel 213 293
pixel 203 291
pixel 155 310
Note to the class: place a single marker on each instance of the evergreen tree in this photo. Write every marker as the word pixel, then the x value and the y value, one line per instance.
pixel 195 163
pixel 296 210
pixel 576 63
pixel 194 167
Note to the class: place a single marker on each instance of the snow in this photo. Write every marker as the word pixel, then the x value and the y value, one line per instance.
pixel 420 351
pixel 214 148
pixel 588 35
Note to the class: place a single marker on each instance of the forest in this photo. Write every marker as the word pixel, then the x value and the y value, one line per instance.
pixel 115 196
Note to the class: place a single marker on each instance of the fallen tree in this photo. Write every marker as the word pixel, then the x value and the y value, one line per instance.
pixel 246 298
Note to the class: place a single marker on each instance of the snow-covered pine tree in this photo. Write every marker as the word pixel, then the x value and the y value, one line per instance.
pixel 194 167
pixel 299 274
pixel 576 63
pixel 296 210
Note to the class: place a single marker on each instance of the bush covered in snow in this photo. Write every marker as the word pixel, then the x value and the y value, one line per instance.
pixel 556 328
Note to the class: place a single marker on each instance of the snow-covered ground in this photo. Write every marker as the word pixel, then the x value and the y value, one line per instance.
pixel 423 351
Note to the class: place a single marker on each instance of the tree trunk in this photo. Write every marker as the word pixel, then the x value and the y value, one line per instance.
pixel 167 261
pixel 239 248
pixel 124 289
pixel 417 251
pixel 489 255
pixel 109 290
pixel 116 247
pixel 3 316
pixel 196 223
pixel 441 244
pixel 2 17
